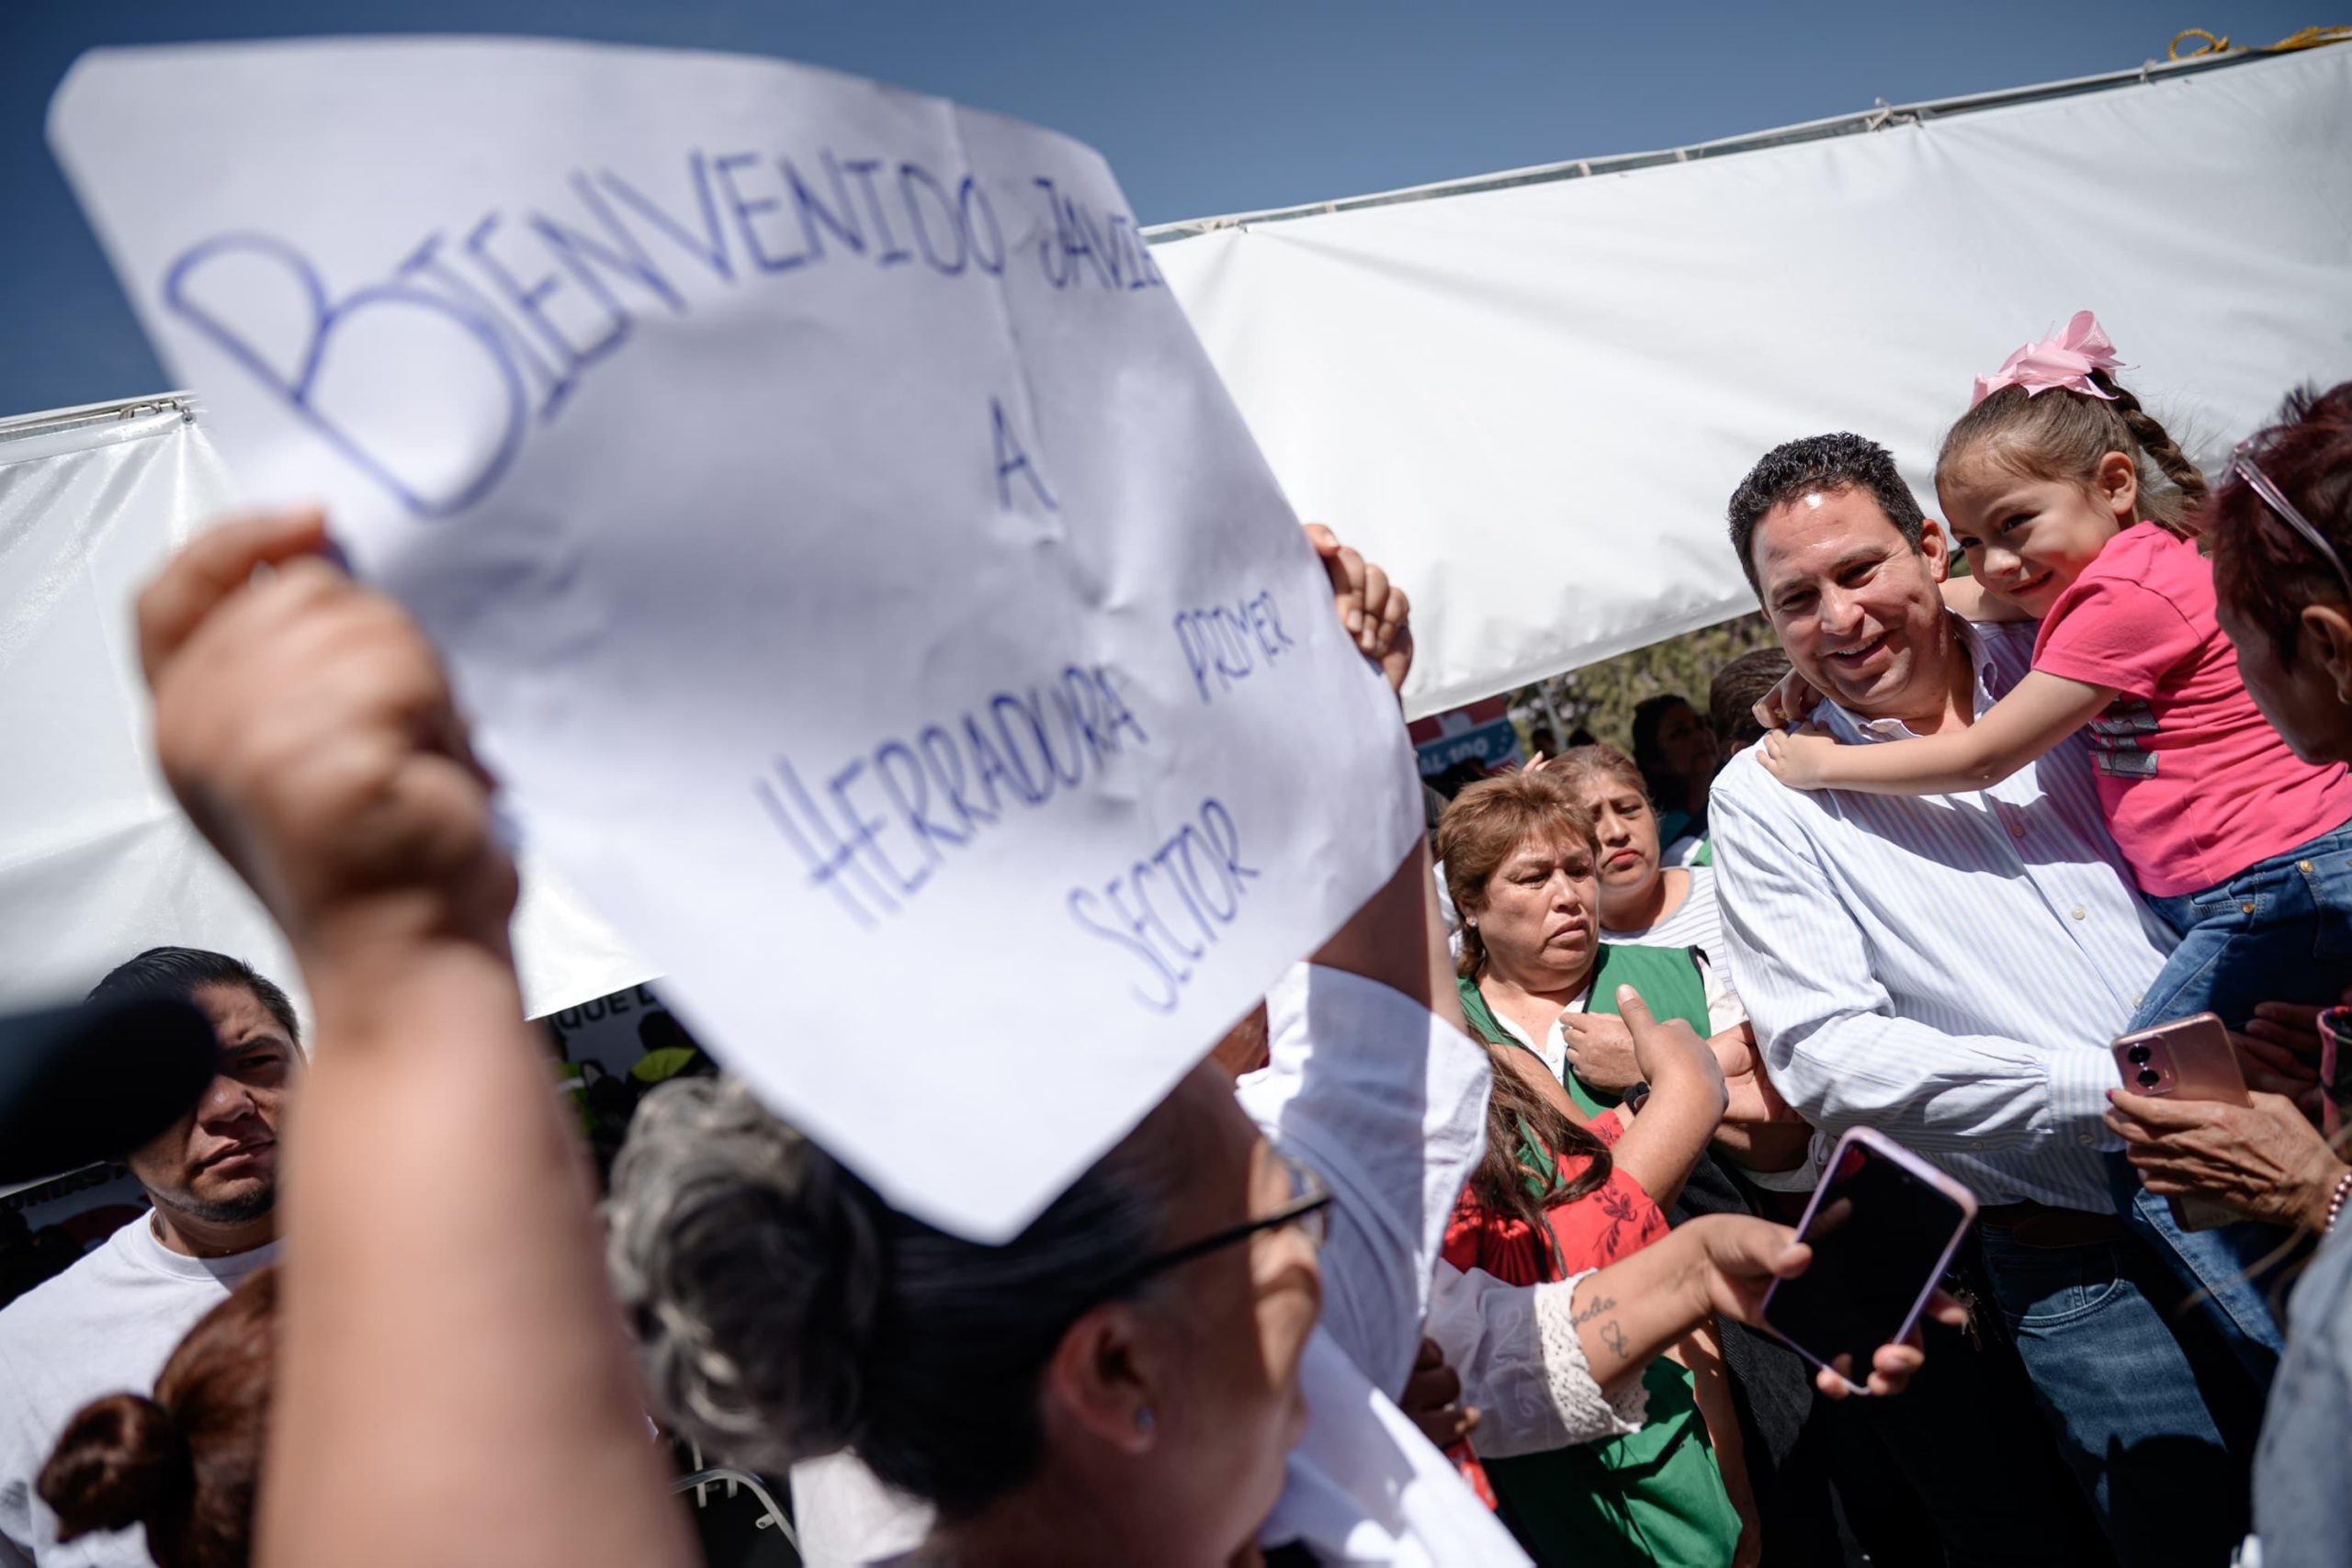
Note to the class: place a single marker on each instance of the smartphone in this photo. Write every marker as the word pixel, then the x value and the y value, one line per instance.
pixel 1883 1226
pixel 2189 1058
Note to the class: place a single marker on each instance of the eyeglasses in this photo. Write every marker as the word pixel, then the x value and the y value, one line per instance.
pixel 2241 463
pixel 1308 1209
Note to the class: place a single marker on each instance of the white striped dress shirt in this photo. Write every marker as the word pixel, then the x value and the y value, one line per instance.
pixel 1947 969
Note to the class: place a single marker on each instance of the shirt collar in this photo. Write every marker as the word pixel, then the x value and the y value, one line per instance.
pixel 1850 726
pixel 148 1249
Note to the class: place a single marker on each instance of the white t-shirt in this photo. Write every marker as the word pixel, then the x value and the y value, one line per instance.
pixel 1697 922
pixel 106 1325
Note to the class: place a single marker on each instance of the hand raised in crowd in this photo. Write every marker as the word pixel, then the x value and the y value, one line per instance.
pixel 352 787
pixel 2265 1159
pixel 1666 1052
pixel 1373 610
pixel 1432 1398
pixel 1741 1265
pixel 1723 1264
pixel 1671 1133
pixel 452 1379
pixel 1788 703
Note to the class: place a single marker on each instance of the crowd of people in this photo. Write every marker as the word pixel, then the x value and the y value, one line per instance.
pixel 1456 1249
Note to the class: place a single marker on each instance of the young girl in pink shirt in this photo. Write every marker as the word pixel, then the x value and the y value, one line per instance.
pixel 2048 485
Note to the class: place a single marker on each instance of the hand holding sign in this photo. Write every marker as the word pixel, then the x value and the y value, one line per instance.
pixel 1372 609
pixel 310 732
pixel 863 584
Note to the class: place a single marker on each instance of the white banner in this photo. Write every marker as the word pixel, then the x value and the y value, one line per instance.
pixel 97 864
pixel 1532 404
pixel 862 582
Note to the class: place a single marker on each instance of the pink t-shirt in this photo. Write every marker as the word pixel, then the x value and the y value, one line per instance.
pixel 2195 784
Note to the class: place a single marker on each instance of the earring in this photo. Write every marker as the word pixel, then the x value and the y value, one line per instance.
pixel 1143 1419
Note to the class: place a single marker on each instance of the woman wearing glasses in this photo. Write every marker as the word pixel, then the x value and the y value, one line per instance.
pixel 2280 525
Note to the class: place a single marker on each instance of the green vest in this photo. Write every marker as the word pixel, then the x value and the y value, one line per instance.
pixel 1666 977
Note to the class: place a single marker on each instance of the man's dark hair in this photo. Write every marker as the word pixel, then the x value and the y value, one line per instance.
pixel 181 972
pixel 1843 461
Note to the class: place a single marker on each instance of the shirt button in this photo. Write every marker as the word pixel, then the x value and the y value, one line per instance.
pixel 2017 829
pixel 2079 912
pixel 2084 1138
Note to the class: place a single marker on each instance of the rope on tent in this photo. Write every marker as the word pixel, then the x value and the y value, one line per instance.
pixel 2310 38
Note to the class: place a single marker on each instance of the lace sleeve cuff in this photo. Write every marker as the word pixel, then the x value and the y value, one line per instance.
pixel 1586 1411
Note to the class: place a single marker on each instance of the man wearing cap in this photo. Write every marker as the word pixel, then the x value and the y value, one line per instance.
pixel 111 1321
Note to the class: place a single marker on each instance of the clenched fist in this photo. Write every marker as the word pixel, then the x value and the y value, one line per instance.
pixel 308 727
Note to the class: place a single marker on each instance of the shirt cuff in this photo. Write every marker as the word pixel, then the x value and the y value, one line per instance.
pixel 2078 1084
pixel 1583 1405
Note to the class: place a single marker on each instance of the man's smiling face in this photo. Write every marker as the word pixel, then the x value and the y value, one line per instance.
pixel 1856 607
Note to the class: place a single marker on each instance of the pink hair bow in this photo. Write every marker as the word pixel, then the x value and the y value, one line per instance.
pixel 2062 359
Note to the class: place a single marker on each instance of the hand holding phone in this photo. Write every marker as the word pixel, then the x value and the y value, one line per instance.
pixel 1883 1226
pixel 2189 1058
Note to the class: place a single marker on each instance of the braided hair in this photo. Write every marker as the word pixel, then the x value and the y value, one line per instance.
pixel 2061 434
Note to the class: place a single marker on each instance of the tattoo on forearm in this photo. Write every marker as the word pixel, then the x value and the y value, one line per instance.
pixel 1592 1309
pixel 1614 1337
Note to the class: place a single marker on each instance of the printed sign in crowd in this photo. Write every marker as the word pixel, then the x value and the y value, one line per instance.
pixel 860 579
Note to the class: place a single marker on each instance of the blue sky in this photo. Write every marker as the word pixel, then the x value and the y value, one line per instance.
pixel 1208 106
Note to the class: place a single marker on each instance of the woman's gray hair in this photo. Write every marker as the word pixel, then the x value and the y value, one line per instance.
pixel 784 1311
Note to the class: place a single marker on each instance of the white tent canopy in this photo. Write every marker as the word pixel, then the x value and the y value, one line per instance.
pixel 96 862
pixel 1530 395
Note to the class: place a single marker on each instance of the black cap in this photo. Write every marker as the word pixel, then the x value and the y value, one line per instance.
pixel 95 1080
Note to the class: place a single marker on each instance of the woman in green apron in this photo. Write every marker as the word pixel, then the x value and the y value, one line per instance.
pixel 1555 1198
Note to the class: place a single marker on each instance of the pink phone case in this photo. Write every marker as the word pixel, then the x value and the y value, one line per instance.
pixel 2189 1058
pixel 1886 1148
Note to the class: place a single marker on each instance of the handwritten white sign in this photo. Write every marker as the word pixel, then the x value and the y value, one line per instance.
pixel 862 582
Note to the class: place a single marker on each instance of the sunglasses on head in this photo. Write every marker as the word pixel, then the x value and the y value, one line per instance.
pixel 2243 464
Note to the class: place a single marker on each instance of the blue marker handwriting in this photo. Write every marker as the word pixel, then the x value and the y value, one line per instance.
pixel 1231 642
pixel 875 829
pixel 533 298
pixel 1168 909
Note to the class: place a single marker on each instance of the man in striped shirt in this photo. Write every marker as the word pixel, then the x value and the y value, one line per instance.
pixel 1951 970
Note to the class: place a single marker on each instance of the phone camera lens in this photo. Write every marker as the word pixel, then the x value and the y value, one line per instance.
pixel 2150 1077
pixel 2139 1055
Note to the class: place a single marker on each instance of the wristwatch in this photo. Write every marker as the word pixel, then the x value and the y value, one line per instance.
pixel 1635 1098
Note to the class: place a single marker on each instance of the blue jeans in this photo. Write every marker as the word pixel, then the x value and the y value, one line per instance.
pixel 2233 1271
pixel 2118 1389
pixel 2280 931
